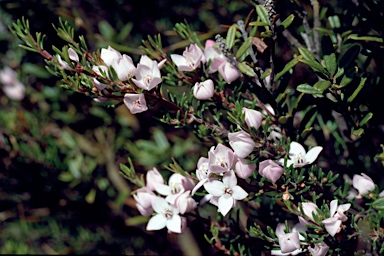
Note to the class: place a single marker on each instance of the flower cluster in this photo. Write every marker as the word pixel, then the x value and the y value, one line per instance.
pixel 168 201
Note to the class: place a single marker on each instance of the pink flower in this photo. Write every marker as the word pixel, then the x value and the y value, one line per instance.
pixel 177 184
pixel 143 198
pixel 337 216
pixel 167 216
pixel 203 90
pixel 109 55
pixel 252 117
pixel 202 173
pixel 309 209
pixel 243 169
pixel 147 74
pixel 229 72
pixel 124 67
pixel 12 87
pixel 320 249
pixel 363 183
pixel 185 203
pixel 190 60
pixel 242 143
pixel 135 102
pixel 153 178
pixel 72 56
pixel 289 242
pixel 214 55
pixel 270 170
pixel 221 159
pixel 226 191
pixel 299 157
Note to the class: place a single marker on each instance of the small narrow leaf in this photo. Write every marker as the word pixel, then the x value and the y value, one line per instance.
pixel 321 86
pixel 366 119
pixel 262 13
pixel 288 21
pixel 245 69
pixel 330 63
pixel 243 48
pixel 366 38
pixel 231 34
pixel 306 88
pixel 307 54
pixel 358 89
pixel 258 23
pixel 378 204
pixel 287 67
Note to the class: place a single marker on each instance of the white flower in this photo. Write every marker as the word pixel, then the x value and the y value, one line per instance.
pixel 190 60
pixel 299 157
pixel 226 192
pixel 363 183
pixel 204 90
pixel 167 216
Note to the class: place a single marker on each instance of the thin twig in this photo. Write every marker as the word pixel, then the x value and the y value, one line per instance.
pixel 316 24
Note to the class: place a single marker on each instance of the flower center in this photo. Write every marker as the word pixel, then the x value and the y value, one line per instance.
pixel 228 192
pixel 221 161
pixel 175 188
pixel 299 158
pixel 147 79
pixel 168 213
pixel 190 61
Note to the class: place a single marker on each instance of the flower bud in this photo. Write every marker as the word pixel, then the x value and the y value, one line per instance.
pixel 244 170
pixel 270 170
pixel 252 118
pixel 135 102
pixel 203 90
pixel 363 183
pixel 242 143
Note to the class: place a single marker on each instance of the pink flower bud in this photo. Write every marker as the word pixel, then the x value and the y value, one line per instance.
pixel 270 170
pixel 203 90
pixel 135 102
pixel 252 118
pixel 185 203
pixel 109 55
pixel 153 178
pixel 244 170
pixel 143 198
pixel 242 143
pixel 229 72
pixel 320 249
pixel 289 242
pixel 363 183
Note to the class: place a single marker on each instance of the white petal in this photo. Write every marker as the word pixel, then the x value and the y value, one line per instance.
pixel 215 187
pixel 312 154
pixel 159 204
pixel 239 193
pixel 296 148
pixel 157 222
pixel 163 189
pixel 174 224
pixel 198 185
pixel 333 208
pixel 225 204
pixel 332 226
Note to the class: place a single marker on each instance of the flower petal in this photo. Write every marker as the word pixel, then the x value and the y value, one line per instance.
pixel 215 187
pixel 157 222
pixel 174 224
pixel 312 154
pixel 225 204
pixel 296 148
pixel 239 193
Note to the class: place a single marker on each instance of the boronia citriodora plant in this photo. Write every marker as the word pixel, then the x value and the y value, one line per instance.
pixel 264 185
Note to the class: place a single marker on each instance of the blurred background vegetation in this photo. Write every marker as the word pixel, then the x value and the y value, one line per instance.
pixel 61 191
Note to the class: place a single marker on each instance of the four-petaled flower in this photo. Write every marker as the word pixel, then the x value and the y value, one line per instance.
pixel 167 216
pixel 299 157
pixel 135 102
pixel 337 216
pixel 363 183
pixel 227 192
pixel 147 74
pixel 190 60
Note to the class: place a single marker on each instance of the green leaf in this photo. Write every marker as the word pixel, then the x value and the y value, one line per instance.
pixel 245 69
pixel 339 73
pixel 90 197
pixel 244 47
pixel 321 86
pixel 231 34
pixel 288 21
pixel 330 63
pixel 307 54
pixel 366 119
pixel 286 68
pixel 366 38
pixel 106 30
pixel 358 132
pixel 262 13
pixel 378 204
pixel 314 64
pixel 358 89
pixel 35 70
pixel 306 88
pixel 266 73
pixel 258 23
